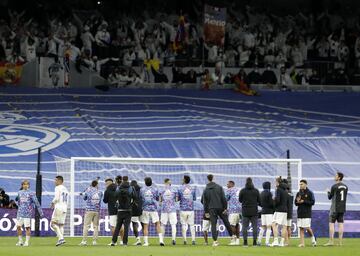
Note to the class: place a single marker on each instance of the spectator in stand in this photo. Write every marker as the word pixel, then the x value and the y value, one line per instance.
pixel 206 81
pixel 103 40
pixel 269 58
pixel 4 199
pixel 330 78
pixel 159 76
pixel 302 77
pixel 334 47
pixel 343 54
pixel 268 76
pixel 178 75
pixel 341 78
pixel 254 77
pixel 314 78
pixel 323 48
pixel 241 84
pixel 280 60
pixel 217 77
pixel 284 79
pixel 191 76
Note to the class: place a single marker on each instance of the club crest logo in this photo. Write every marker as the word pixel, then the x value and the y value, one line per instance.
pixel 23 139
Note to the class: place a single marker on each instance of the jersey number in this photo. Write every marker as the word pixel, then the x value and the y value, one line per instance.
pixel 342 192
pixel 64 197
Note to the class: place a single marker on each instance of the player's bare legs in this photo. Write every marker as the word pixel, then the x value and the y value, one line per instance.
pixel 341 232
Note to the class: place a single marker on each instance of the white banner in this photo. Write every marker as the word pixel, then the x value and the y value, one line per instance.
pixel 52 72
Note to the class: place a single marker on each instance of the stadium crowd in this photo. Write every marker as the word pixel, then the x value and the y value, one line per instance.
pixel 314 47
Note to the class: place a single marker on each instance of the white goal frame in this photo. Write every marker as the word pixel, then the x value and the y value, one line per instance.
pixel 166 161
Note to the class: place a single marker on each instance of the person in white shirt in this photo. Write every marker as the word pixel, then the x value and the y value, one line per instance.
pixel 59 204
pixel 87 39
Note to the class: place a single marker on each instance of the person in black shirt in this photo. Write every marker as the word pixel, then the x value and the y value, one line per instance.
pixel 159 76
pixel 337 195
pixel 304 200
pixel 110 200
pixel 125 197
pixel 280 214
pixel 250 199
pixel 267 213
pixel 136 211
pixel 4 199
pixel 215 205
pixel 290 201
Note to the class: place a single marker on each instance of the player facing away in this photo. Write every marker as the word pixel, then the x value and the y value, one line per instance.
pixel 136 211
pixel 215 205
pixel 280 214
pixel 110 200
pixel 234 209
pixel 337 195
pixel 304 200
pixel 168 199
pixel 267 213
pixel 59 204
pixel 290 202
pixel 150 197
pixel 187 197
pixel 92 197
pixel 27 202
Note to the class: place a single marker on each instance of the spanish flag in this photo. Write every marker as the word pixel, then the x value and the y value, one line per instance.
pixel 10 73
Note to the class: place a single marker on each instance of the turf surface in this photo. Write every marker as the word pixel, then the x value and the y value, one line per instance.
pixel 45 246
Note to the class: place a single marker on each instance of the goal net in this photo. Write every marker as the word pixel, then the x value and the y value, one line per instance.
pixel 78 173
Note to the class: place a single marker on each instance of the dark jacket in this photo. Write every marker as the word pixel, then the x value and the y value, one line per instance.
pixel 213 197
pixel 249 197
pixel 125 196
pixel 110 199
pixel 290 205
pixel 281 199
pixel 304 209
pixel 266 200
pixel 137 204
pixel 159 77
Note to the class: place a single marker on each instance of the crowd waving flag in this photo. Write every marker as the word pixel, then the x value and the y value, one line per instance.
pixel 214 25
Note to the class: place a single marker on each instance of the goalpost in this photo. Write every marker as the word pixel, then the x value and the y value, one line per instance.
pixel 78 172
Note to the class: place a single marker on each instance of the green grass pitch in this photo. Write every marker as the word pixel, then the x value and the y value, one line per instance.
pixel 45 246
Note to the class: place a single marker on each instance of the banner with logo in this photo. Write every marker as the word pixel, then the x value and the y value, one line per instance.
pixel 319 224
pixel 52 72
pixel 214 25
pixel 10 73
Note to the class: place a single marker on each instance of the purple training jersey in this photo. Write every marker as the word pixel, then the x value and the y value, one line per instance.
pixel 168 199
pixel 93 196
pixel 149 197
pixel 232 196
pixel 27 202
pixel 187 197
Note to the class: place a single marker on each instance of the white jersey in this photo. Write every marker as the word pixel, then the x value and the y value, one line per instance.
pixel 61 198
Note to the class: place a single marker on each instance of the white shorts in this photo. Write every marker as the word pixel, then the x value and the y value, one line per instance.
pixel 304 223
pixel 168 217
pixel 58 216
pixel 234 219
pixel 135 219
pixel 288 222
pixel 146 216
pixel 187 217
pixel 113 220
pixel 280 218
pixel 267 219
pixel 206 226
pixel 23 221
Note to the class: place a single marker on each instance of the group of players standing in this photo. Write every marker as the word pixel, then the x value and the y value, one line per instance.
pixel 128 203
